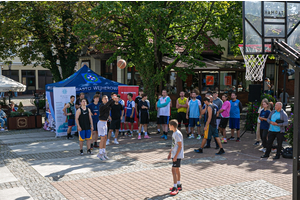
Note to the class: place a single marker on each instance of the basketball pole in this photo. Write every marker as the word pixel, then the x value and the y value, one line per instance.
pixel 296 137
pixel 285 67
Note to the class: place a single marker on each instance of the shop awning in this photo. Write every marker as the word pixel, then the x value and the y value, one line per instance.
pixel 209 63
pixel 7 84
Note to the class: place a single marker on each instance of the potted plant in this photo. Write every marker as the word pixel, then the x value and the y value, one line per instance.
pixel 23 120
pixel 289 135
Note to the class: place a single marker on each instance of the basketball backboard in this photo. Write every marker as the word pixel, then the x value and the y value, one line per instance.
pixel 265 21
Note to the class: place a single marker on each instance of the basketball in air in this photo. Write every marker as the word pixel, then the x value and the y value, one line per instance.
pixel 121 64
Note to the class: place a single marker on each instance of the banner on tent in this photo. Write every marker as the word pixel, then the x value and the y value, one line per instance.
pixel 61 98
pixel 123 91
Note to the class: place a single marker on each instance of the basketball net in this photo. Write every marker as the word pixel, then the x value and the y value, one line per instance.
pixel 254 63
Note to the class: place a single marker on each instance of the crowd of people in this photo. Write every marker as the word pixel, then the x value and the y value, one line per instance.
pixel 111 117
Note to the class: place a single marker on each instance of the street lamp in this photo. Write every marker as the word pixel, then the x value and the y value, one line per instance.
pixel 9 93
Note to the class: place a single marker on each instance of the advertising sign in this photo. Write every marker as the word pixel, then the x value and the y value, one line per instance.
pixel 228 80
pixel 61 96
pixel 123 91
pixel 210 80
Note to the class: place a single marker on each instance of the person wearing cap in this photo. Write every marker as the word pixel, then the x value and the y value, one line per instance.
pixel 267 85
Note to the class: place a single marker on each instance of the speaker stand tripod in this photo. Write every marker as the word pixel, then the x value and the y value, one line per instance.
pixel 245 126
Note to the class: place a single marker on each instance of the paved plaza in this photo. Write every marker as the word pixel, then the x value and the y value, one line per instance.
pixel 36 165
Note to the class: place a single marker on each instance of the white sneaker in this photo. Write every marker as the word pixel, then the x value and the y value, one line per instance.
pixel 105 156
pixel 263 150
pixel 100 156
pixel 116 142
pixel 199 137
pixel 2 129
pixel 191 136
pixel 107 142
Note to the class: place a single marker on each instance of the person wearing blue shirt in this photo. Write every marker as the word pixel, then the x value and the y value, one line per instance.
pixel 94 107
pixel 278 120
pixel 193 113
pixel 234 120
pixel 264 125
pixel 130 113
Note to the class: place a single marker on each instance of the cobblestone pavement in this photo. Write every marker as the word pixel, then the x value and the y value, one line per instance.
pixel 45 167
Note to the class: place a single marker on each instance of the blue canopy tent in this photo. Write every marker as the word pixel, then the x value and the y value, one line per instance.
pixel 85 80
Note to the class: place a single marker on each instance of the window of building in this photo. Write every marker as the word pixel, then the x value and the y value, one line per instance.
pixel 292 77
pixel 227 81
pixel 191 82
pixel 106 70
pixel 14 74
pixel 243 84
pixel 44 77
pixel 210 81
pixel 134 77
pixel 270 71
pixel 171 85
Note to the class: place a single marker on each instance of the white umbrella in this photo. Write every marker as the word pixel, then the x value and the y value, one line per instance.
pixel 7 84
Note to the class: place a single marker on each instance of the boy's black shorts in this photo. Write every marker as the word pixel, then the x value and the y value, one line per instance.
pixel 177 163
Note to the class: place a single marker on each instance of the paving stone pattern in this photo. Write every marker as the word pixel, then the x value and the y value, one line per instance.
pixel 139 169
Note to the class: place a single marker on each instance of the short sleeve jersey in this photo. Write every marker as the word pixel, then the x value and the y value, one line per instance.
pixel 264 114
pixel 235 109
pixel 116 111
pixel 177 137
pixel 194 108
pixel 130 106
pixel 95 111
pixel 143 103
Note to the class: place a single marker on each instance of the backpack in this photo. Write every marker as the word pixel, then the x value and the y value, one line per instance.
pixel 287 152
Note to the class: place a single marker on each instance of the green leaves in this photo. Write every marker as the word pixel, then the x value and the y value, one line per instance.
pixel 144 32
pixel 42 33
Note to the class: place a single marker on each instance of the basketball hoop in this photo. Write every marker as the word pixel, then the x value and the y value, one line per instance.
pixel 254 63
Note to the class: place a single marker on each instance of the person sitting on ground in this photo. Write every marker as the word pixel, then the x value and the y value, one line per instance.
pixel 3 118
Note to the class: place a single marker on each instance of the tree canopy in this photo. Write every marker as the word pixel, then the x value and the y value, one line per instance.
pixel 42 33
pixel 144 32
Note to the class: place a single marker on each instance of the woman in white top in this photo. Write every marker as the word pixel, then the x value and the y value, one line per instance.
pixel 258 125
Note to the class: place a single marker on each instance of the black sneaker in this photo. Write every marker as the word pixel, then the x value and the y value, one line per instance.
pixel 92 146
pixel 198 150
pixel 188 135
pixel 179 187
pixel 220 152
pixel 231 138
pixel 89 152
pixel 256 143
pixel 70 137
pixel 206 147
pixel 158 132
pixel 81 152
pixel 238 139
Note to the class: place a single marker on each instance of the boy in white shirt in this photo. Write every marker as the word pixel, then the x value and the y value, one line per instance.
pixel 176 154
